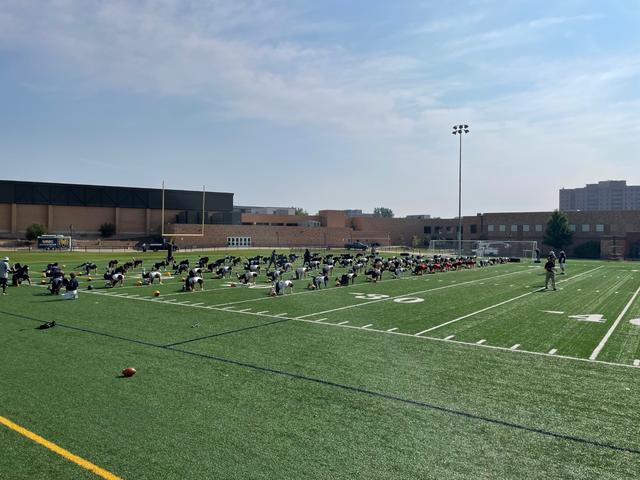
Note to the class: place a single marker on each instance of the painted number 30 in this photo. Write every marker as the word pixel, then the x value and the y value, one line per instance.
pixel 379 296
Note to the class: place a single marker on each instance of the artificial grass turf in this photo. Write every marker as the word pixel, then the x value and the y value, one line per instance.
pixel 198 417
pixel 193 416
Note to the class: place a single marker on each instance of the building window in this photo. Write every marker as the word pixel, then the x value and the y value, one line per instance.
pixel 538 228
pixel 572 227
pixel 585 227
pixel 514 228
pixel 238 241
pixel 525 228
pixel 427 229
pixel 599 227
pixel 490 228
pixel 503 228
pixel 474 229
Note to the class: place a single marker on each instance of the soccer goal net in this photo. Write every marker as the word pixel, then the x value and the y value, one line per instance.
pixel 524 250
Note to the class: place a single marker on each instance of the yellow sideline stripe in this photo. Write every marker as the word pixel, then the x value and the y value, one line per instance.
pixel 101 472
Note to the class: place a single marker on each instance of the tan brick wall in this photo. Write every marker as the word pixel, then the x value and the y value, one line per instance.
pixel 132 220
pixel 333 218
pixel 399 230
pixel 27 215
pixel 5 217
pixel 263 236
pixel 83 219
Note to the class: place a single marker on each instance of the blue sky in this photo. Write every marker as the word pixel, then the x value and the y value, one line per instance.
pixel 324 104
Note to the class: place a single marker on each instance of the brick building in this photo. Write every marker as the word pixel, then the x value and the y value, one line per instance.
pixel 137 212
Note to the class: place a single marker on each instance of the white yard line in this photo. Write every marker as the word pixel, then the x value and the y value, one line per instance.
pixel 449 337
pixel 392 329
pixel 320 320
pixel 497 305
pixel 408 335
pixel 605 339
pixel 480 342
pixel 409 294
pixel 356 285
pixel 553 351
pixel 514 347
pixel 367 326
pixel 636 363
pixel 195 291
pixel 244 310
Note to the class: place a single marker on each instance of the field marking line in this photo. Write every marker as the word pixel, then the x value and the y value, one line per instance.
pixel 553 351
pixel 320 320
pixel 498 304
pixel 514 347
pixel 449 337
pixel 392 329
pixel 367 326
pixel 196 291
pixel 101 472
pixel 480 342
pixel 424 278
pixel 355 305
pixel 436 339
pixel 636 363
pixel 605 339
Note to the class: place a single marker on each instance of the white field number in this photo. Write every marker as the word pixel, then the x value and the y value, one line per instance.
pixel 593 317
pixel 380 296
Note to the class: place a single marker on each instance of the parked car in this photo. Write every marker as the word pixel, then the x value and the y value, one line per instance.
pixel 158 244
pixel 356 246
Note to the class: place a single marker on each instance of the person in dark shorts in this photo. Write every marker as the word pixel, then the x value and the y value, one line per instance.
pixel 562 259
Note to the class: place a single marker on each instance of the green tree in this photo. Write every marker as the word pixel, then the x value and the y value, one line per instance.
pixel 383 212
pixel 107 229
pixel 557 233
pixel 301 211
pixel 35 230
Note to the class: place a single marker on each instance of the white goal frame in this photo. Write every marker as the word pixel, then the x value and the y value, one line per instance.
pixel 523 249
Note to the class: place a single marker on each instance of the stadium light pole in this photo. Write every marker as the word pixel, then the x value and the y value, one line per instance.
pixel 459 130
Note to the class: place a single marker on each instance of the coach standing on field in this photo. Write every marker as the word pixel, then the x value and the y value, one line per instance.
pixel 550 268
pixel 4 274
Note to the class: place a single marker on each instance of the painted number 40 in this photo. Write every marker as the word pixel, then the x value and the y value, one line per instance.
pixel 380 296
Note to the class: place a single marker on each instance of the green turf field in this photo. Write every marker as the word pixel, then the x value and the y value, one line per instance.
pixel 466 374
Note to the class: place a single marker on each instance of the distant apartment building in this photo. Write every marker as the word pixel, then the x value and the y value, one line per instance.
pixel 609 195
